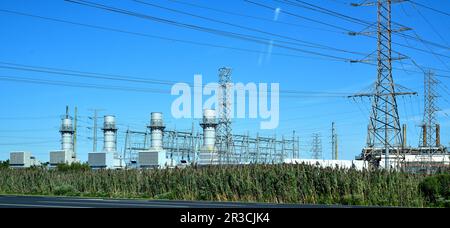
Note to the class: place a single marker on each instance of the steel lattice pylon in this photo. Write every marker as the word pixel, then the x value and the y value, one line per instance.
pixel 384 132
pixel 224 129
pixel 384 119
pixel 317 147
pixel 430 110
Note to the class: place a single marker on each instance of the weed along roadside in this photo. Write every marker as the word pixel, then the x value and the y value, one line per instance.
pixel 298 184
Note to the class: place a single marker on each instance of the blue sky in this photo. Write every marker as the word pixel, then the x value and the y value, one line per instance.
pixel 30 113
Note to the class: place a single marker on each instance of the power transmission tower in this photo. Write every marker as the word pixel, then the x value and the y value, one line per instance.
pixel 224 128
pixel 94 128
pixel 334 142
pixel 430 122
pixel 386 134
pixel 317 146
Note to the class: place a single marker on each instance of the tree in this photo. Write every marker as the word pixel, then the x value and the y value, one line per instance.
pixel 4 164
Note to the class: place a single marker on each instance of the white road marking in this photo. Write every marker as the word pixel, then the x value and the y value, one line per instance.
pixel 118 203
pixel 35 205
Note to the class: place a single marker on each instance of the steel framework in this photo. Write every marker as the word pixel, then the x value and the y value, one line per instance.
pixel 385 134
pixel 184 147
pixel 317 146
pixel 224 136
pixel 430 109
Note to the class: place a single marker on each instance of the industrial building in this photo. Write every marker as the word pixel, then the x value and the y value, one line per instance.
pixel 22 159
pixel 342 164
pixel 429 157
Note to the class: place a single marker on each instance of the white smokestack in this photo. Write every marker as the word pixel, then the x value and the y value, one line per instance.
pixel 109 131
pixel 67 135
pixel 157 128
pixel 209 128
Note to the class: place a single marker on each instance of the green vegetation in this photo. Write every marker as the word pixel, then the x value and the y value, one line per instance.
pixel 4 164
pixel 254 183
pixel 73 167
pixel 436 190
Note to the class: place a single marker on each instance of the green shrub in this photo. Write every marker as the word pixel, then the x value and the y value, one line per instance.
pixel 73 167
pixel 436 190
pixel 66 190
pixel 4 164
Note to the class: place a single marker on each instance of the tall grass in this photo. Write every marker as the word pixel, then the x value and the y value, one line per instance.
pixel 254 183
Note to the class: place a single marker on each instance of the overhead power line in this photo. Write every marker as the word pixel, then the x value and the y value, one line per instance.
pixel 79 85
pixel 126 78
pixel 82 74
pixel 218 32
pixel 97 27
pixel 300 16
pixel 297 41
pixel 249 16
pixel 428 7
pixel 355 20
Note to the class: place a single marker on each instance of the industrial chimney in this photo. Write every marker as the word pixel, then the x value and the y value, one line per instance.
pixel 67 153
pixel 108 158
pixel 208 153
pixel 67 135
pixel 424 135
pixel 157 128
pixel 110 134
pixel 156 156
pixel 438 135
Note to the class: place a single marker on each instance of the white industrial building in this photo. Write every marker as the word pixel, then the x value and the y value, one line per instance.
pixel 22 159
pixel 343 164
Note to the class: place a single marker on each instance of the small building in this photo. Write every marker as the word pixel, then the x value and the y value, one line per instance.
pixel 22 159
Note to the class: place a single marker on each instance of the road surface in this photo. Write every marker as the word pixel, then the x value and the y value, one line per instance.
pixel 71 202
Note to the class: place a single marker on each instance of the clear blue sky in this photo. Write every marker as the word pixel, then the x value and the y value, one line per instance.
pixel 29 113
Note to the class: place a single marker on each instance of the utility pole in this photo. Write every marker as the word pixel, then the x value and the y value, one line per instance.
pixel 94 147
pixel 74 156
pixel 317 146
pixel 224 129
pixel 384 119
pixel 125 149
pixel 334 142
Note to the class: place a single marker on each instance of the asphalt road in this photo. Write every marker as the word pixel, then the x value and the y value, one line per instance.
pixel 69 202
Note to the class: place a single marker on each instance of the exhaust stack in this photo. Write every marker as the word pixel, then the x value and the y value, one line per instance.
pixel 208 153
pixel 157 128
pixel 110 136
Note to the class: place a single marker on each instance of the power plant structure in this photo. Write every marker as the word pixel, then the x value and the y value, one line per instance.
pixel 67 153
pixel 386 142
pixel 183 148
pixel 108 158
pixel 208 153
pixel 22 159
pixel 156 156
